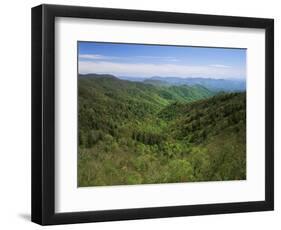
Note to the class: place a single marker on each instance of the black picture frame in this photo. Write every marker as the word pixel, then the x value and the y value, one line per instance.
pixel 43 114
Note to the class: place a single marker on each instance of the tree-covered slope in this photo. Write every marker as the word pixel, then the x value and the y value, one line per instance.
pixel 217 127
pixel 105 100
pixel 137 133
pixel 197 120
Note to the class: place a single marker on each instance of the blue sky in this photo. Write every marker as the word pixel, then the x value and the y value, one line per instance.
pixel 135 60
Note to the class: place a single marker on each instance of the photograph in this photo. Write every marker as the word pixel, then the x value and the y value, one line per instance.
pixel 143 113
pixel 150 114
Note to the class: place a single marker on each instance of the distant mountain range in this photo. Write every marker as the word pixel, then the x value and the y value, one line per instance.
pixel 124 90
pixel 226 85
pixel 210 83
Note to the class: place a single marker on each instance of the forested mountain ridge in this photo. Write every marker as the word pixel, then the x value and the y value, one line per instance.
pixel 170 93
pixel 227 85
pixel 197 120
pixel 106 95
pixel 137 133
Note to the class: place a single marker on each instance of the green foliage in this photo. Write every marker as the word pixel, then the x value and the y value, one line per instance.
pixel 197 121
pixel 136 133
pixel 180 170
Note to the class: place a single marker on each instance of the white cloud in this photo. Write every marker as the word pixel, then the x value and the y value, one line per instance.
pixel 148 70
pixel 103 57
pixel 95 57
pixel 155 57
pixel 220 66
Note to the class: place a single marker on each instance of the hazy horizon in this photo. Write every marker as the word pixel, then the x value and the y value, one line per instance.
pixel 155 76
pixel 146 61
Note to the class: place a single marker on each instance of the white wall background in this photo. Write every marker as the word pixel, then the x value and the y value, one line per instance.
pixel 15 114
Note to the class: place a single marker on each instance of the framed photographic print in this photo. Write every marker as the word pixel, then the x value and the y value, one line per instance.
pixel 142 114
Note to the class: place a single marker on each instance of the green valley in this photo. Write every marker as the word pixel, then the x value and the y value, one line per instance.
pixel 142 133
